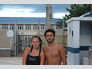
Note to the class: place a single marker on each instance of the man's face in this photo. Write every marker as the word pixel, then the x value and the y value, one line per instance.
pixel 49 37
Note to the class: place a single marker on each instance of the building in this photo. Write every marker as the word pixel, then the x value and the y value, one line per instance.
pixel 25 27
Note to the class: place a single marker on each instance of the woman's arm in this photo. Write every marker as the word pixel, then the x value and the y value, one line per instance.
pixel 42 59
pixel 26 51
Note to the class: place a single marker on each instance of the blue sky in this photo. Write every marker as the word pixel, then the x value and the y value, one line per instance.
pixel 32 10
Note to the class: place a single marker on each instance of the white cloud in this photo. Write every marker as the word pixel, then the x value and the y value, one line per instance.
pixel 16 14
pixel 15 10
pixel 8 12
pixel 59 15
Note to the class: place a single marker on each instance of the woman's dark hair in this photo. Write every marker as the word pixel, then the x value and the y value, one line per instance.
pixel 49 30
pixel 39 40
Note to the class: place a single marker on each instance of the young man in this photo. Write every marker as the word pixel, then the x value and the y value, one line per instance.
pixel 54 53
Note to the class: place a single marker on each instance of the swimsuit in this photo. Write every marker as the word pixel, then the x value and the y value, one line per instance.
pixel 33 60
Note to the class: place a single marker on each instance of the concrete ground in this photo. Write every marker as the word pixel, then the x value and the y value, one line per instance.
pixel 10 60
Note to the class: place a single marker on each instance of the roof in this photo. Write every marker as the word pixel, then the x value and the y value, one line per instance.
pixel 88 14
pixel 27 20
pixel 79 19
pixel 85 17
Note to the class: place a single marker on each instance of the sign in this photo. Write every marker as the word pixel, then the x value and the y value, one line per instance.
pixel 10 33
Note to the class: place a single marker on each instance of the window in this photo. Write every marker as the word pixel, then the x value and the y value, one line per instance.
pixel 35 26
pixel 52 26
pixel 20 26
pixel 28 26
pixel 5 26
pixel 42 26
pixel 11 26
pixel 56 27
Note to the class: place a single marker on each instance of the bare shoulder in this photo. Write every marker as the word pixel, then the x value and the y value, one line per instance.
pixel 60 46
pixel 41 52
pixel 44 48
pixel 27 50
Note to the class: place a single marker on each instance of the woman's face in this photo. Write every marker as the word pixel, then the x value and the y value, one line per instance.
pixel 35 42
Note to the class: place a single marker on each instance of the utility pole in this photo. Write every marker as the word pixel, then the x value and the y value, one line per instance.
pixel 48 16
pixel 63 31
pixel 39 32
pixel 15 47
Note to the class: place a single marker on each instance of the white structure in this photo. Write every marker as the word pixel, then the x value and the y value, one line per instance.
pixel 79 31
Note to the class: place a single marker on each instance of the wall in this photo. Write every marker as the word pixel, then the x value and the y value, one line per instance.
pixel 6 43
pixel 85 39
pixel 73 42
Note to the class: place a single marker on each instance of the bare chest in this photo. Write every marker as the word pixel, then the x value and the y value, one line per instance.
pixel 51 52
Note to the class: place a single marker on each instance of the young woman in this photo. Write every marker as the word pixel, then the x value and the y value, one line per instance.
pixel 34 55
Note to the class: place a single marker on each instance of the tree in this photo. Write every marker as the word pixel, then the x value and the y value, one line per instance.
pixel 59 24
pixel 77 10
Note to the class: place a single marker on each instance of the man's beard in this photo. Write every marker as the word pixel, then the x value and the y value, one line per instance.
pixel 50 41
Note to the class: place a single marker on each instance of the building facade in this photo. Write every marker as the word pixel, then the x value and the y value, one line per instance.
pixel 25 27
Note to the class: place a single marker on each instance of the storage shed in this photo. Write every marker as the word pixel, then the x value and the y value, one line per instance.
pixel 79 39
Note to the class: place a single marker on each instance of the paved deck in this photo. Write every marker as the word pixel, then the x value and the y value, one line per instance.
pixel 10 60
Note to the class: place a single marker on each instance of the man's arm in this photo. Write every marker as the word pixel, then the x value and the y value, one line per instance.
pixel 63 54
